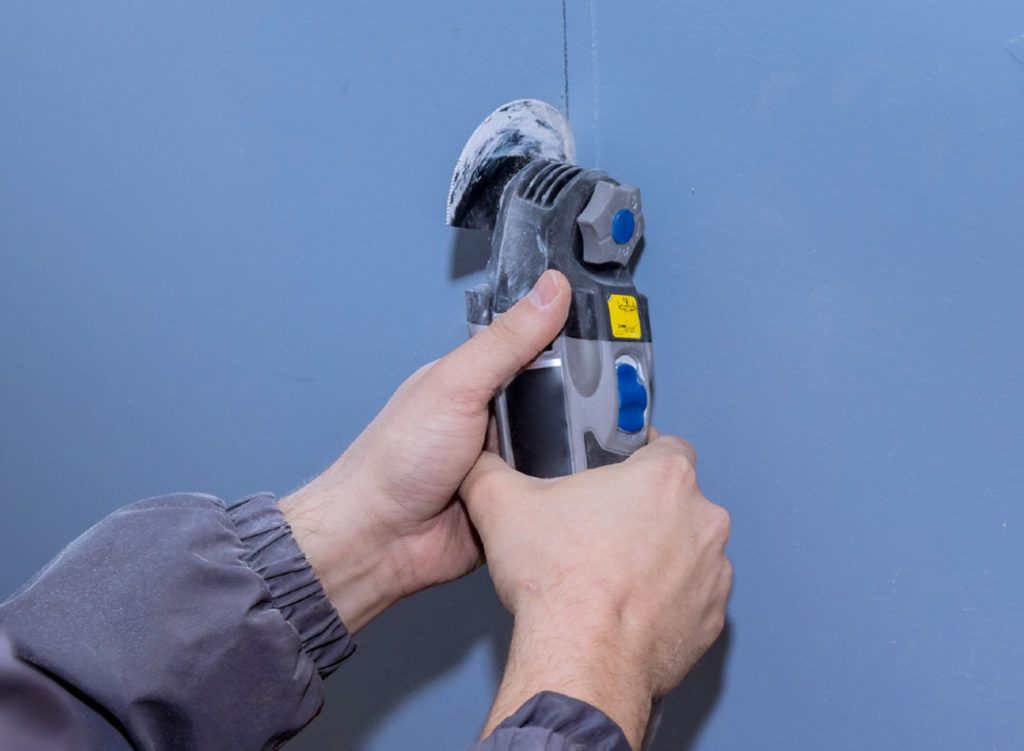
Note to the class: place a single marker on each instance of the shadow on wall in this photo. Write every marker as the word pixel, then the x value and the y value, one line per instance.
pixel 686 710
pixel 469 253
pixel 414 643
pixel 421 639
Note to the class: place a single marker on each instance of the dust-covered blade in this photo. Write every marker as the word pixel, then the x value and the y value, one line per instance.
pixel 512 136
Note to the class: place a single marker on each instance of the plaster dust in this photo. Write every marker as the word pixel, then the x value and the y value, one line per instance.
pixel 525 128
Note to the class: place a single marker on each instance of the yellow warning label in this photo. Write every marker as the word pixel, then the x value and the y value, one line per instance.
pixel 625 317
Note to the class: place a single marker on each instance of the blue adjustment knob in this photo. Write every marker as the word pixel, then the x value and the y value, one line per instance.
pixel 623 224
pixel 632 399
pixel 611 224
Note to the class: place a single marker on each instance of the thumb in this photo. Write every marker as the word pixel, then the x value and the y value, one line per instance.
pixel 482 365
pixel 486 485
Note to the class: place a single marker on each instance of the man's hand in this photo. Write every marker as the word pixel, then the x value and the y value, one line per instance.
pixel 617 578
pixel 385 520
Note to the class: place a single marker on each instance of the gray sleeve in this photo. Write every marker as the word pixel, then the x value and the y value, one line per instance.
pixel 555 722
pixel 35 715
pixel 178 623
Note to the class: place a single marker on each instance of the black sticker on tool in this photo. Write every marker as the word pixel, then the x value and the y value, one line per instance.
pixel 538 426
pixel 597 455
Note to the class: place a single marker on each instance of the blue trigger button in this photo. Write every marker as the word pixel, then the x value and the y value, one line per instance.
pixel 632 399
pixel 623 225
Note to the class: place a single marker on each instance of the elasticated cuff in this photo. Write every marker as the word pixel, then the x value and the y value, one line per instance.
pixel 554 721
pixel 271 551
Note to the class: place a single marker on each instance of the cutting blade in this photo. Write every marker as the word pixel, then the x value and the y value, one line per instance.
pixel 513 135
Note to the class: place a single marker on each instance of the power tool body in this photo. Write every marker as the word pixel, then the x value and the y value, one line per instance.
pixel 586 400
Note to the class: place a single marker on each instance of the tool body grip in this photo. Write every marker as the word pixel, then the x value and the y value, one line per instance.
pixel 581 404
pixel 585 401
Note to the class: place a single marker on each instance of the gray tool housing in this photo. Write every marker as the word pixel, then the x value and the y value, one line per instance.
pixel 565 412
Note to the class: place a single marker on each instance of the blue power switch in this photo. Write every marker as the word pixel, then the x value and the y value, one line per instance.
pixel 632 399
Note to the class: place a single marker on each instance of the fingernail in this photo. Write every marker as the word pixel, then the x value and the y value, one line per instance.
pixel 545 290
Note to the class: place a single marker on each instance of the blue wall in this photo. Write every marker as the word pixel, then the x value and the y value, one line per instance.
pixel 222 247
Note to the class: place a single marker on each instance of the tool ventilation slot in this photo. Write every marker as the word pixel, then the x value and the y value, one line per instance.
pixel 543 188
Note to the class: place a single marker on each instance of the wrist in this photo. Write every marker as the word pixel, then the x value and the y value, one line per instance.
pixel 581 655
pixel 292 585
pixel 349 555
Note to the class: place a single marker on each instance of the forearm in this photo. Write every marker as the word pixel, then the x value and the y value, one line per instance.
pixel 584 659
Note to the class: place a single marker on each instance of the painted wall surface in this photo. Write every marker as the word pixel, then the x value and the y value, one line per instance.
pixel 222 247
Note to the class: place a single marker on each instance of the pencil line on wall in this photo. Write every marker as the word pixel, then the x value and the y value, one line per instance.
pixel 565 55
pixel 593 52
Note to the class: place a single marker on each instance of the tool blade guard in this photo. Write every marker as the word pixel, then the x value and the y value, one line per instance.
pixel 586 400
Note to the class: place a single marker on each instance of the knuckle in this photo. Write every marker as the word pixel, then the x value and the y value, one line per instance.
pixel 673 440
pixel 504 335
pixel 676 469
pixel 487 488
pixel 728 573
pixel 433 380
pixel 423 371
pixel 449 383
pixel 458 399
pixel 682 446
pixel 718 623
pixel 723 521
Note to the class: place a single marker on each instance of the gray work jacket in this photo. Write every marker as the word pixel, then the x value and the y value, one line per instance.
pixel 180 623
